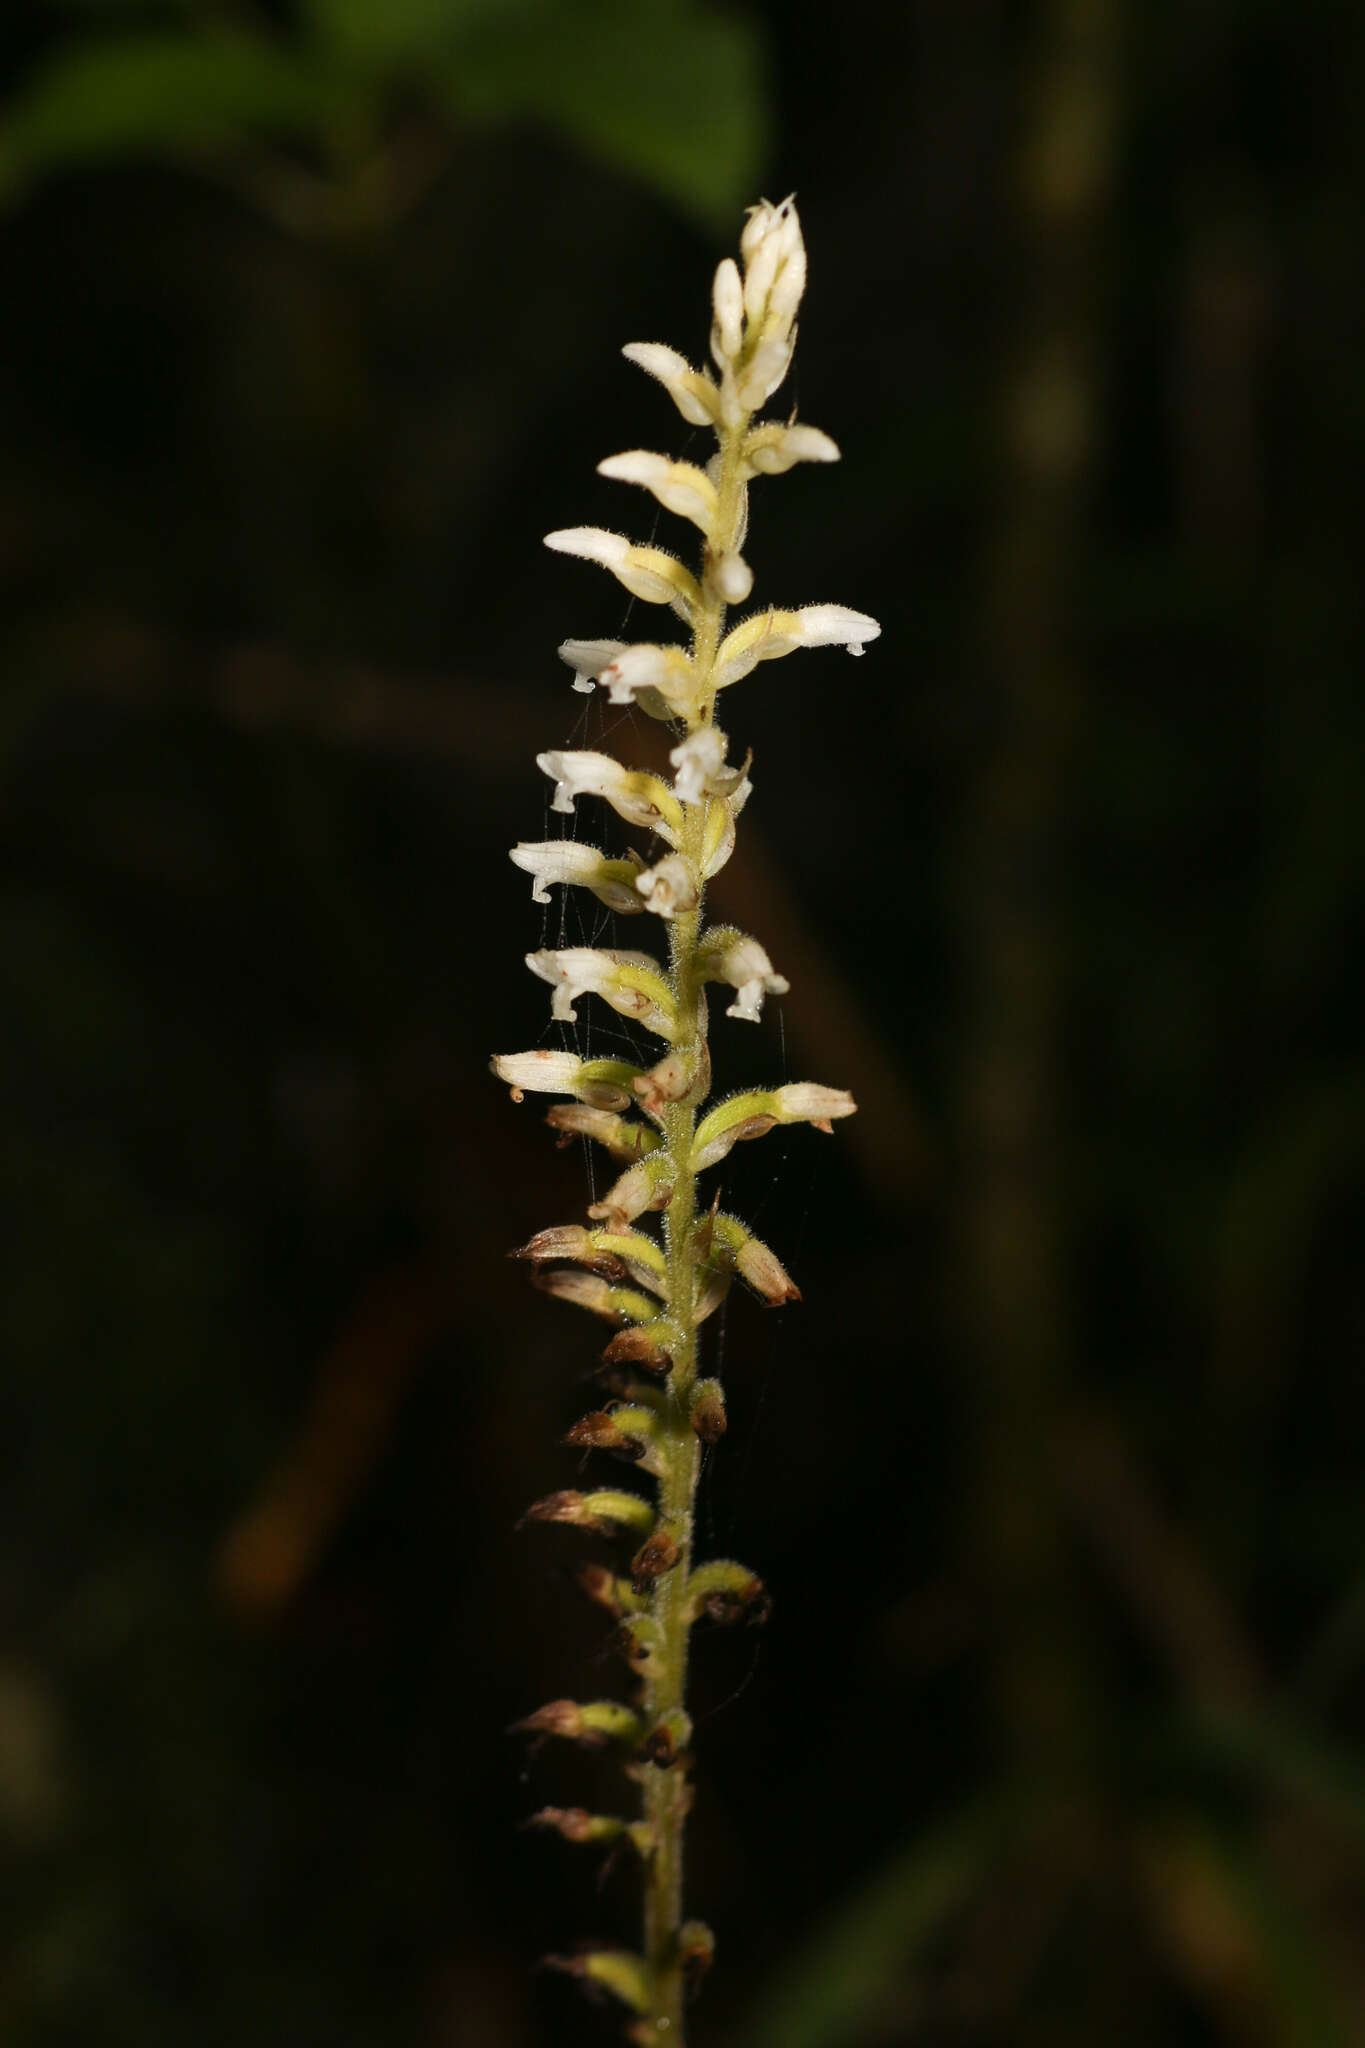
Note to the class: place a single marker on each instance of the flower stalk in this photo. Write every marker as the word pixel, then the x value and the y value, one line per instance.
pixel 657 1292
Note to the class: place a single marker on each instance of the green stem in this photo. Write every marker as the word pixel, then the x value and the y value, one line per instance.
pixel 666 1790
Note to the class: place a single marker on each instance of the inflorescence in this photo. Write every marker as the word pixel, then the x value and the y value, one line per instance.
pixel 653 1120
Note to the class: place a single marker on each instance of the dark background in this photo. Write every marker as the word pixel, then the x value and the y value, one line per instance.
pixel 311 332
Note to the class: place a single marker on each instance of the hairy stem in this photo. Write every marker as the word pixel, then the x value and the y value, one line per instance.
pixel 667 1794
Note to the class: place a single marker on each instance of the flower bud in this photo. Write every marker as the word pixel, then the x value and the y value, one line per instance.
pixel 647 573
pixel 678 486
pixel 769 634
pixel 602 1084
pixel 568 860
pixel 774 265
pixel 632 983
pixel 771 450
pixel 732 578
pixel 603 1512
pixel 692 391
pixel 727 301
pixel 639 798
pixel 592 1722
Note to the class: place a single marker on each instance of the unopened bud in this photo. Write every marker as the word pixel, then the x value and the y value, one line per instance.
pixel 617 1971
pixel 603 1511
pixel 593 1722
pixel 732 578
pixel 727 300
pixel 605 1084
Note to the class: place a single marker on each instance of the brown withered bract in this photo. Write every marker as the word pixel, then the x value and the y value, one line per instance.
pixel 656 1555
pixel 659 1747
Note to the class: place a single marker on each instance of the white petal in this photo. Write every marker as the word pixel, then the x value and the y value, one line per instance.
pixel 697 758
pixel 744 963
pixel 833 625
pixel 670 887
pixel 691 390
pixel 570 861
pixel 588 658
pixel 548 1073
pixel 727 300
pixel 647 573
pixel 639 798
pixel 646 667
pixel 574 971
pixel 677 485
pixel 765 370
pixel 772 450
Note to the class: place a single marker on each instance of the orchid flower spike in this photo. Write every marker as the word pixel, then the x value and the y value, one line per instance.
pixel 648 1103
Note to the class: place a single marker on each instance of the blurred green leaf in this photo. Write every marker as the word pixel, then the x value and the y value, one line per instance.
pixel 1232 1906
pixel 671 92
pixel 1293 1757
pixel 666 90
pixel 384 34
pixel 188 94
pixel 827 1991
